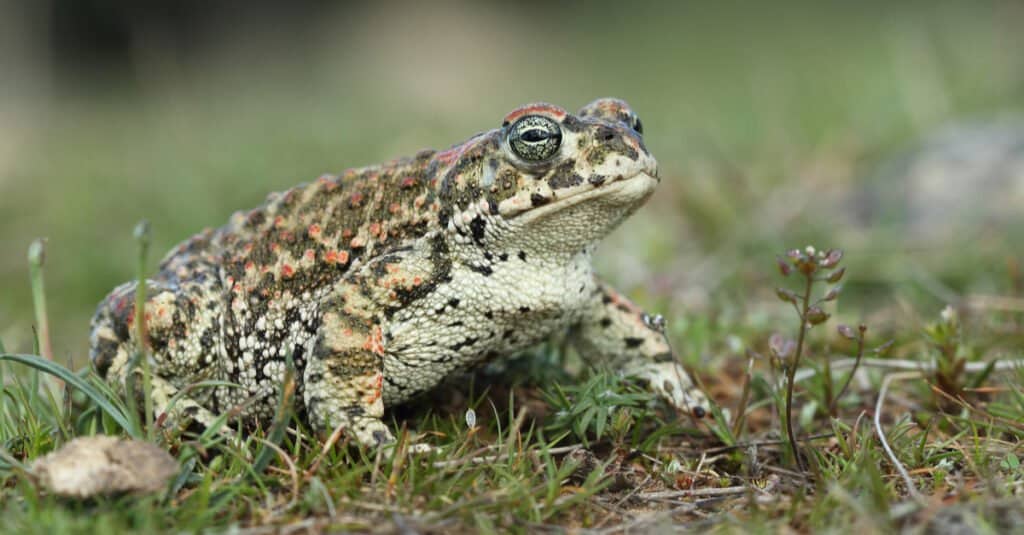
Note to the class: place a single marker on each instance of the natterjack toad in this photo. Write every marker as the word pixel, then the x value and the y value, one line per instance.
pixel 382 281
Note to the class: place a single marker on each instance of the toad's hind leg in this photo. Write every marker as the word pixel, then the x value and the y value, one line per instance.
pixel 344 378
pixel 344 375
pixel 181 334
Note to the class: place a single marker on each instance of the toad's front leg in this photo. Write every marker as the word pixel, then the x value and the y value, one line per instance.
pixel 615 330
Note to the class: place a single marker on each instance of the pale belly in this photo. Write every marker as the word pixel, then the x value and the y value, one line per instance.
pixel 479 317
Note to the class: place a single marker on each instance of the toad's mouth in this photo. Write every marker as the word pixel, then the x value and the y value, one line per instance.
pixel 542 201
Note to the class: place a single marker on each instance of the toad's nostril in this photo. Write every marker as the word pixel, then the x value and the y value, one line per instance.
pixel 699 412
pixel 605 134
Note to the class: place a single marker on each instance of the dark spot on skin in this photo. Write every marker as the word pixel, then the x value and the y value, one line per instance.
pixel 483 270
pixel 508 180
pixel 492 206
pixel 524 309
pixel 563 175
pixel 606 322
pixel 539 200
pixel 633 342
pixel 507 334
pixel 488 256
pixel 206 339
pixel 470 159
pixel 390 380
pixel 664 357
pixel 605 298
pixel 477 226
pixel 441 273
pixel 605 134
pixel 345 363
pixel 105 351
pixel 489 315
pixel 572 124
pixel 503 257
pixel 158 344
pixel 453 302
pixel 256 218
pixel 456 324
pixel 465 343
pixel 380 268
pixel 380 437
pixel 597 180
pixel 522 255
pixel 613 140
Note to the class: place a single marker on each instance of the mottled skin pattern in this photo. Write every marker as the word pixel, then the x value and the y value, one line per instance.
pixel 382 281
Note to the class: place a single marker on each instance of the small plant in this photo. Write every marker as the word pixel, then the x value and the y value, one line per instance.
pixel 813 266
pixel 604 403
pixel 945 338
pixel 857 335
pixel 36 259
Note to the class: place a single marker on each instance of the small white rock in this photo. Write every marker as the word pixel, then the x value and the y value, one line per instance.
pixel 104 465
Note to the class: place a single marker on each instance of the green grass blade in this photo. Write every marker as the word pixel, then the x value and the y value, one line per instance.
pixel 73 379
pixel 280 422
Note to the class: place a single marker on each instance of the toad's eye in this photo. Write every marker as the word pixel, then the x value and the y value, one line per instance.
pixel 534 138
pixel 638 126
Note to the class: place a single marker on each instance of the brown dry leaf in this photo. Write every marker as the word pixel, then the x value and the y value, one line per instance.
pixel 103 465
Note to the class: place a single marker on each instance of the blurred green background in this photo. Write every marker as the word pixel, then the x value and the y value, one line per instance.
pixel 776 124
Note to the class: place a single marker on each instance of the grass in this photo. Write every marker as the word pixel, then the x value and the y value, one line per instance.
pixel 538 452
pixel 766 133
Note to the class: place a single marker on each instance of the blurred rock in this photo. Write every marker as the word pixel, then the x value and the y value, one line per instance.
pixel 962 181
pixel 982 516
pixel 103 465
